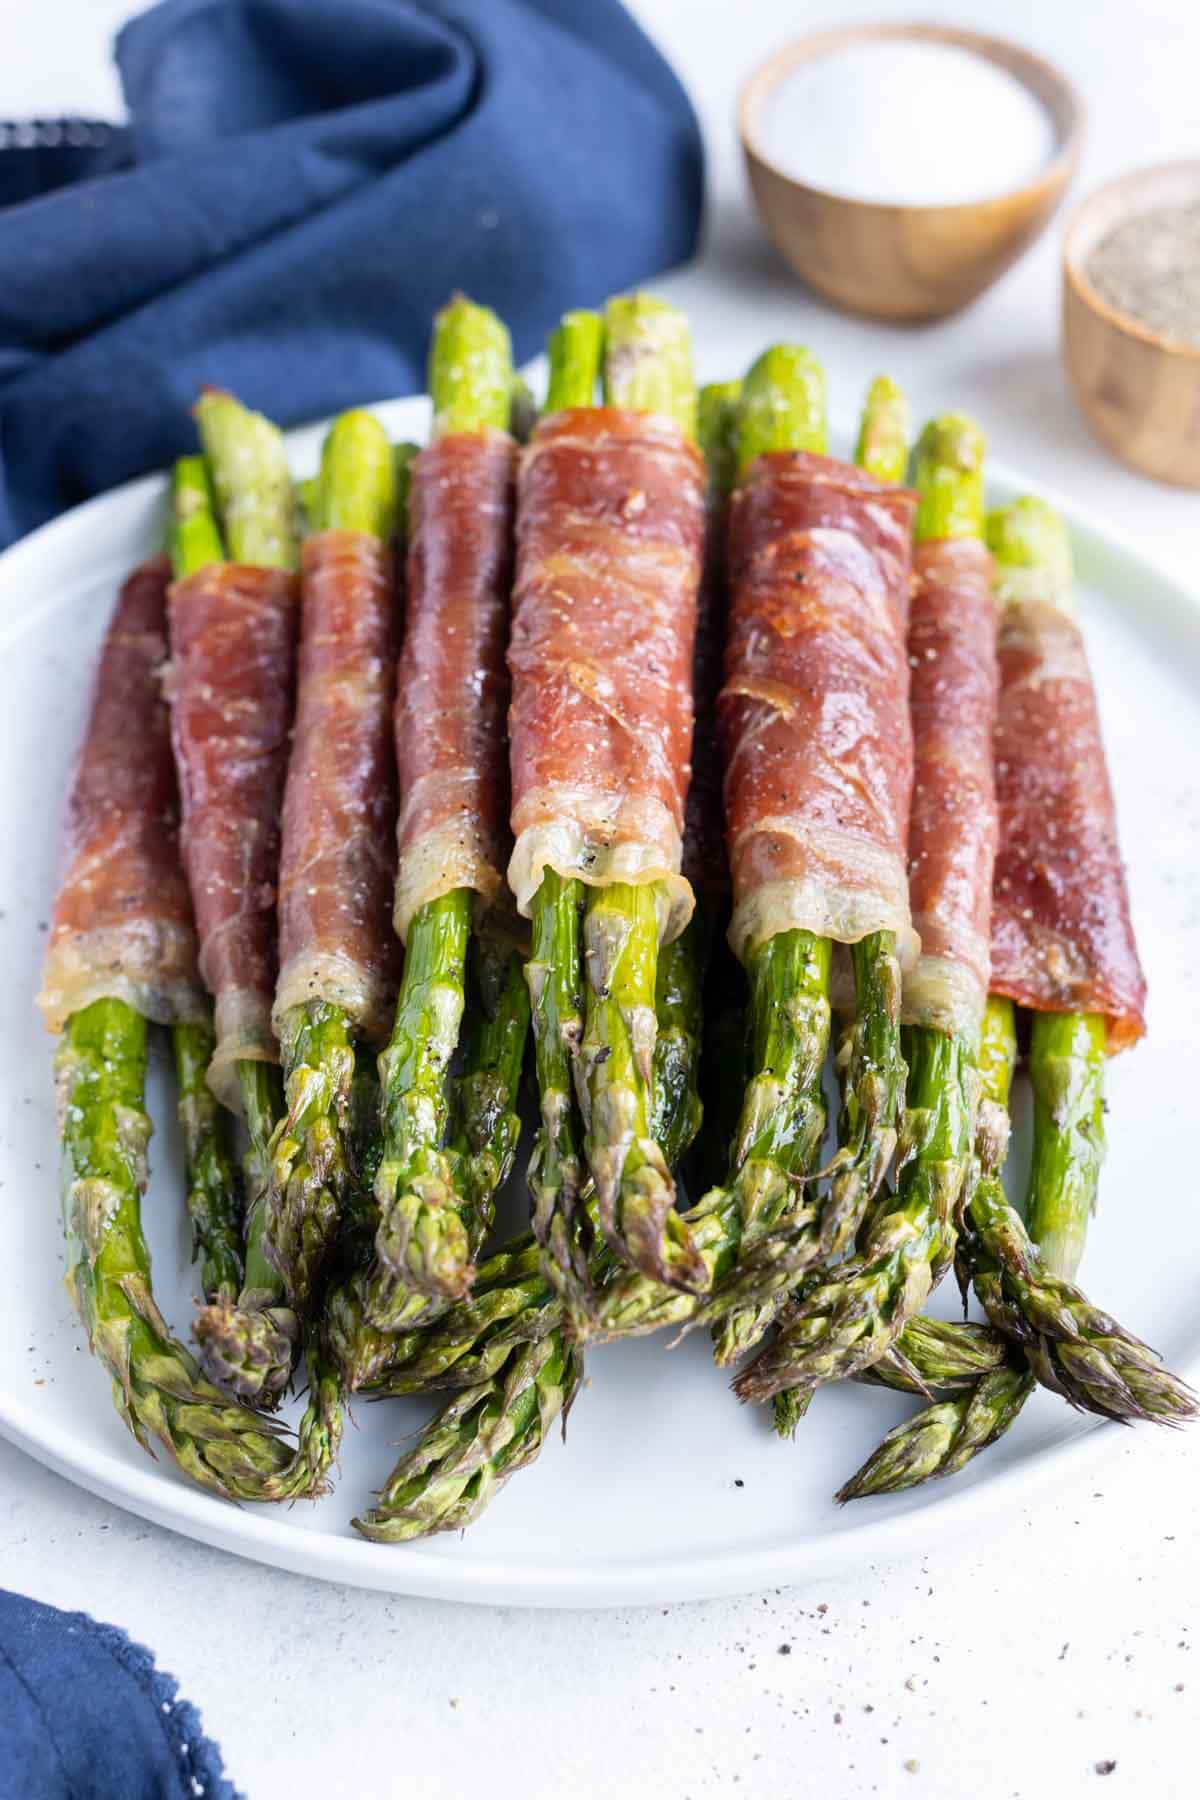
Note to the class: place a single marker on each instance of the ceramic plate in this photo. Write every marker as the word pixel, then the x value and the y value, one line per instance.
pixel 667 1489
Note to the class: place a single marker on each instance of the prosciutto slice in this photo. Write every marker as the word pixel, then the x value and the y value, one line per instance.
pixel 337 865
pixel 1062 940
pixel 814 713
pixel 122 924
pixel 452 690
pixel 610 542
pixel 952 827
pixel 233 632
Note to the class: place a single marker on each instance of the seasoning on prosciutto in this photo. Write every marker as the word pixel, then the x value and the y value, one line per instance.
pixel 610 539
pixel 1062 939
pixel 233 631
pixel 122 924
pixel 814 712
pixel 452 690
pixel 952 826
pixel 337 867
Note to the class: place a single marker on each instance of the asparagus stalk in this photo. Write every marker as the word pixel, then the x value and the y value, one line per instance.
pixel 647 368
pixel 422 1241
pixel 214 1199
pixel 310 1173
pixel 508 1345
pixel 248 1344
pixel 1025 1278
pixel 853 1317
pixel 157 1388
pixel 760 1233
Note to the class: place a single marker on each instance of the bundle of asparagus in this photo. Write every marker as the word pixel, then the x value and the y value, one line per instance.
pixel 122 952
pixel 372 1189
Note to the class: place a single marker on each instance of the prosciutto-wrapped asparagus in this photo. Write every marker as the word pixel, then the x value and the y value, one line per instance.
pixel 337 953
pixel 849 1319
pixel 233 629
pixel 451 697
pixel 122 951
pixel 1061 938
pixel 610 544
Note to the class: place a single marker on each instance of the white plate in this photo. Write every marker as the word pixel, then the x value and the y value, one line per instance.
pixel 669 1490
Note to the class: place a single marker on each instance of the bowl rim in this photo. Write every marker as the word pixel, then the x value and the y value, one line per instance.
pixel 1075 273
pixel 1015 57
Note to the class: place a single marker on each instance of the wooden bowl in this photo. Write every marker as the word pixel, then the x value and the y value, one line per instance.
pixel 1139 391
pixel 905 262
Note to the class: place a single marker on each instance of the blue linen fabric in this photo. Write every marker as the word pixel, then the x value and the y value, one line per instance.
pixel 301 185
pixel 85 1715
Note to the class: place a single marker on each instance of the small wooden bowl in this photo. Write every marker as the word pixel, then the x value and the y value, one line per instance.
pixel 1139 391
pixel 905 262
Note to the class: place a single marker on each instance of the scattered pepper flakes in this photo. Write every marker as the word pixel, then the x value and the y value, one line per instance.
pixel 1107 1766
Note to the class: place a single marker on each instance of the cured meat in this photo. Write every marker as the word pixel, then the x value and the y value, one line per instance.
pixel 337 866
pixel 452 691
pixel 122 925
pixel 814 712
pixel 233 631
pixel 1062 940
pixel 952 827
pixel 610 539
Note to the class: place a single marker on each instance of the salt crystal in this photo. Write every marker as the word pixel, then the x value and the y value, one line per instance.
pixel 907 123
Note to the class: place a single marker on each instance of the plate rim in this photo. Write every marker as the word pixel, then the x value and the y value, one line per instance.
pixel 157 1493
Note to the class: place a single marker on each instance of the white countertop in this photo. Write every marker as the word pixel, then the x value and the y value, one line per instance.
pixel 1019 1666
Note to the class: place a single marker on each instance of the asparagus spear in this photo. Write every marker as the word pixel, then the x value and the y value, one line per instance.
pixel 647 368
pixel 157 1387
pixel 508 1346
pixel 310 1171
pixel 859 1311
pixel 422 1240
pixel 214 1199
pixel 247 1345
pixel 759 1232
pixel 1025 1278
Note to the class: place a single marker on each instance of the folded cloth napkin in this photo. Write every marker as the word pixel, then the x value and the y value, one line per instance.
pixel 85 1715
pixel 301 185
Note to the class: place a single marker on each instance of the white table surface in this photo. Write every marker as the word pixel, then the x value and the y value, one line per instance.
pixel 1019 1666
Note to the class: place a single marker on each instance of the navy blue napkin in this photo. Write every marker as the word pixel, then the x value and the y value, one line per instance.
pixel 85 1715
pixel 301 185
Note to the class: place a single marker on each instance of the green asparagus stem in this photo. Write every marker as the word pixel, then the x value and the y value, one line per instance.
pixel 246 1344
pixel 422 1241
pixel 676 1111
pixel 482 1147
pixel 470 370
pixel 249 1345
pixel 717 411
pixel 1023 1280
pixel 555 1177
pixel 575 349
pixel 936 1355
pixel 475 1444
pixel 554 970
pixel 884 431
pixel 856 1315
pixel 157 1388
pixel 251 481
pixel 310 1167
pixel 214 1198
pixel 943 1438
pixel 1066 1067
pixel 782 405
pixel 648 359
pixel 194 538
